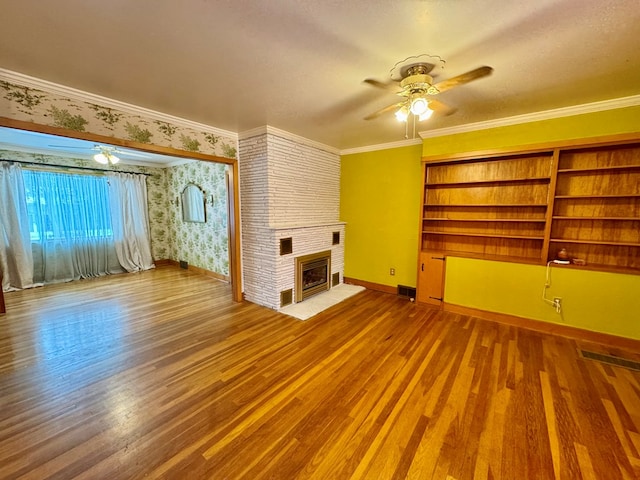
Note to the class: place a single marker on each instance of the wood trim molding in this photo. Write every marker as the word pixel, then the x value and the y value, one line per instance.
pixel 371 286
pixel 3 307
pixel 119 142
pixel 164 261
pixel 547 327
pixel 235 248
pixel 192 268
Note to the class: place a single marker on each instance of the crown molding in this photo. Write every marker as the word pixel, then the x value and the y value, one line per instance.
pixel 80 95
pixel 266 129
pixel 613 104
pixel 382 146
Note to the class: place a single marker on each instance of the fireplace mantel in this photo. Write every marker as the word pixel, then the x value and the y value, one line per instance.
pixel 306 225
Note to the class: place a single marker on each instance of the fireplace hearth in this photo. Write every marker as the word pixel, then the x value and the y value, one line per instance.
pixel 313 274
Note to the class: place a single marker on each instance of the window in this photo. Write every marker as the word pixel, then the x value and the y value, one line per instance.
pixel 67 207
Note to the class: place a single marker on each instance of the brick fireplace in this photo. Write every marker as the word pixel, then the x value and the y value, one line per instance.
pixel 289 190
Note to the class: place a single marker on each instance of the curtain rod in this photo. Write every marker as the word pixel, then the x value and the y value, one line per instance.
pixel 71 166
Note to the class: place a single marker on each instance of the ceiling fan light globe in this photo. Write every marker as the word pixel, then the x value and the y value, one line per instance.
pixel 426 115
pixel 101 158
pixel 402 115
pixel 113 159
pixel 419 106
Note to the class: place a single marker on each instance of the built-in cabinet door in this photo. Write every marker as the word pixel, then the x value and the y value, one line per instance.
pixel 431 278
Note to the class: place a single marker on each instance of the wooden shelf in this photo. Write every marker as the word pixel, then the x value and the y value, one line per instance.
pixel 485 205
pixel 615 219
pixel 629 195
pixel 494 181
pixel 519 220
pixel 596 242
pixel 612 168
pixel 482 235
pixel 500 258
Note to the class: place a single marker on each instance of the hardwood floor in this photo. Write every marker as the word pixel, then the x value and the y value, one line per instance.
pixel 161 375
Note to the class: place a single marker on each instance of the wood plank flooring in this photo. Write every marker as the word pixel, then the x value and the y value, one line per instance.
pixel 161 375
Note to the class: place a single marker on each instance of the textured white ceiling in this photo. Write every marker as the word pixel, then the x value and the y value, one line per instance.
pixel 298 65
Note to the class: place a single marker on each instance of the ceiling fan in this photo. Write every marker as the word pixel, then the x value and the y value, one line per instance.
pixel 417 88
pixel 106 154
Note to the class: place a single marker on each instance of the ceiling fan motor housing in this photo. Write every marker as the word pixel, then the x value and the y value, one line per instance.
pixel 417 84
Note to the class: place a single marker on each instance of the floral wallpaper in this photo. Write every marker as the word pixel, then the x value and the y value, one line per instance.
pixel 203 245
pixel 46 108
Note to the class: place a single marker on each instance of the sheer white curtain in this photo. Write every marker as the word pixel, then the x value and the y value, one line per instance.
pixel 57 227
pixel 71 233
pixel 16 260
pixel 130 219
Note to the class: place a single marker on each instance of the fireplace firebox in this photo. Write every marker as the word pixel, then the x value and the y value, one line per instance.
pixel 313 274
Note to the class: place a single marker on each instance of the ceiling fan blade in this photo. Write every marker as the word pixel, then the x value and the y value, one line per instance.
pixel 69 146
pixel 392 87
pixel 131 153
pixel 384 110
pixel 440 108
pixel 462 79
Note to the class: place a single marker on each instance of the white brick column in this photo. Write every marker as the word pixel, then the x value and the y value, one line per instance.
pixel 289 187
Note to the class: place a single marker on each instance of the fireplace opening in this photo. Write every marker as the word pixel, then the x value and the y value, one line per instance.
pixel 312 274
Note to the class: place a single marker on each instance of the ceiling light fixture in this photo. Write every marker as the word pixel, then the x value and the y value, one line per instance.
pixel 418 106
pixel 402 113
pixel 106 156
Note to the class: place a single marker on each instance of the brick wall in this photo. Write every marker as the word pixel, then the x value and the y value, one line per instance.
pixel 289 187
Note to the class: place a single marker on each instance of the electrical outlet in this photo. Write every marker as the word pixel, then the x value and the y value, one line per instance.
pixel 557 304
pixel 392 271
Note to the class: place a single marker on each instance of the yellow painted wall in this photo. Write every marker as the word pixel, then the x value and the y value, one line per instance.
pixel 596 301
pixel 380 202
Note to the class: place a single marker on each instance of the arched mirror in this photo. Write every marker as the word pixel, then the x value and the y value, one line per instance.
pixel 193 208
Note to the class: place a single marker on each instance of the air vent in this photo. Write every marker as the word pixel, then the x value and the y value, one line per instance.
pixel 286 297
pixel 335 279
pixel 611 360
pixel 286 246
pixel 408 292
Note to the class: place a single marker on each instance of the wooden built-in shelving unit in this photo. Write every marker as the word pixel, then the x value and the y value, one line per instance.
pixel 596 213
pixel 526 206
pixel 493 208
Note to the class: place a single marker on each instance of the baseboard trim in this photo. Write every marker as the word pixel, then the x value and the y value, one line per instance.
pixel 202 271
pixel 546 327
pixel 371 286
